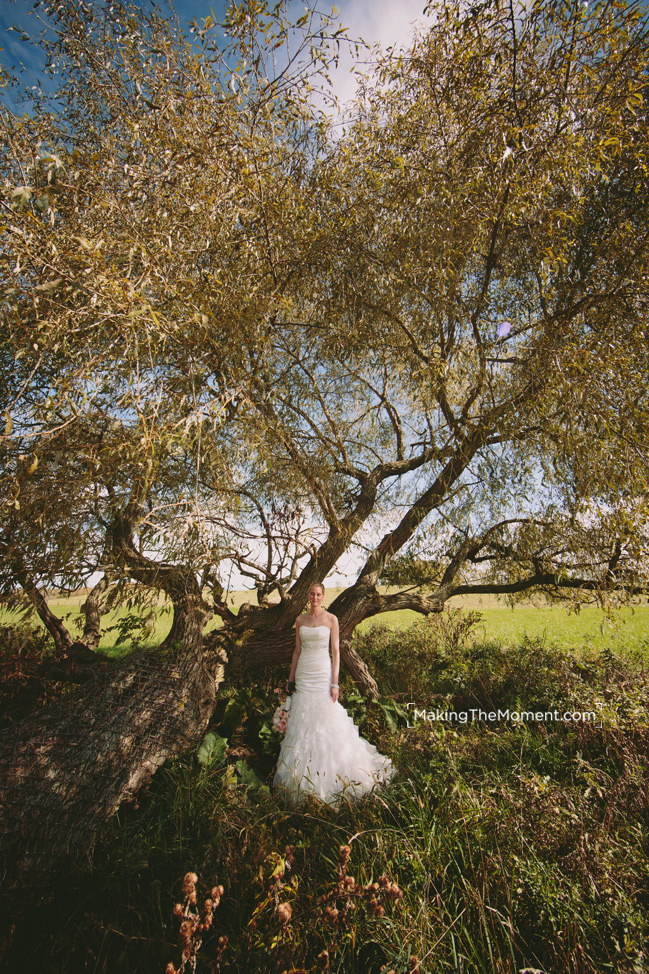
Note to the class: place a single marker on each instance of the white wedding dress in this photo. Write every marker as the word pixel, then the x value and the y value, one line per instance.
pixel 322 754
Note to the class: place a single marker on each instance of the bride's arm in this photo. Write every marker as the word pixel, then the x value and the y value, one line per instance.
pixel 335 659
pixel 296 654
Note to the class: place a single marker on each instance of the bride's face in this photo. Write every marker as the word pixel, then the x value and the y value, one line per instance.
pixel 316 596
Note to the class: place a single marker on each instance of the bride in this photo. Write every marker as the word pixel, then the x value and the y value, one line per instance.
pixel 322 754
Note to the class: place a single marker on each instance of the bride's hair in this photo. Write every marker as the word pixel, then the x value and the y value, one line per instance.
pixel 318 585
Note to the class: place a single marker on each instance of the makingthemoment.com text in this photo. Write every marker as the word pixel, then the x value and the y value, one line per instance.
pixel 416 713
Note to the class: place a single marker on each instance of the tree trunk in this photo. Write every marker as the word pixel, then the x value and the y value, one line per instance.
pixel 81 661
pixel 62 638
pixel 259 648
pixel 358 670
pixel 92 608
pixel 67 768
pixel 190 612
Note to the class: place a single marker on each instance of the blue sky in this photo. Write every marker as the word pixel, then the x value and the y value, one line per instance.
pixel 377 21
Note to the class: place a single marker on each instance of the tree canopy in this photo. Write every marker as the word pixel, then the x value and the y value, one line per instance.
pixel 237 338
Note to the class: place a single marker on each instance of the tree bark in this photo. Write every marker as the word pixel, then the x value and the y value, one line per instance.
pixel 59 633
pixel 255 649
pixel 67 768
pixel 92 608
pixel 190 613
pixel 358 670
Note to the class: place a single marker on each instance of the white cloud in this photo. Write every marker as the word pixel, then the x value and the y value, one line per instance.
pixel 383 22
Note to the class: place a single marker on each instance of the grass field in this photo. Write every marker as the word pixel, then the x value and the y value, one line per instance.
pixel 625 631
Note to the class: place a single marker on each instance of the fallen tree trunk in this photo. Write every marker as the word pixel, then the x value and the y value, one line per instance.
pixel 67 768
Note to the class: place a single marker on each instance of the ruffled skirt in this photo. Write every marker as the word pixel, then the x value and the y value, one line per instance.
pixel 323 754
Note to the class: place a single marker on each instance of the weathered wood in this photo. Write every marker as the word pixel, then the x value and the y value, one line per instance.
pixel 67 768
pixel 57 630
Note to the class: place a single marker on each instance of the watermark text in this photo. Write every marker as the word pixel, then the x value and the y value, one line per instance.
pixel 417 714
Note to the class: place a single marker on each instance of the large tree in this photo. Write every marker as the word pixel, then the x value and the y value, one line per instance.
pixel 236 337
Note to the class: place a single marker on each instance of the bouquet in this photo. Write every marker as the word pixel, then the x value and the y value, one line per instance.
pixel 281 715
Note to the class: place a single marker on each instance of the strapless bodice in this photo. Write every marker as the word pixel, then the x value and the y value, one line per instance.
pixel 313 673
pixel 314 638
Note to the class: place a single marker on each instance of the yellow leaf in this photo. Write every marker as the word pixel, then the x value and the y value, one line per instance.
pixel 8 424
pixel 279 869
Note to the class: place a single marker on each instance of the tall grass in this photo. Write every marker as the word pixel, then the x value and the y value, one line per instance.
pixel 503 846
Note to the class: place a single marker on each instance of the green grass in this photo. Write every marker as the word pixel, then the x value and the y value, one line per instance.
pixel 624 631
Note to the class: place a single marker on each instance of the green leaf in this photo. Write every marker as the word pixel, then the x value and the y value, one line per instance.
pixel 265 733
pixel 212 750
pixel 247 776
pixel 392 712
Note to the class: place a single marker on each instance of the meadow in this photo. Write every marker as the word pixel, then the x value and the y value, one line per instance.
pixel 624 630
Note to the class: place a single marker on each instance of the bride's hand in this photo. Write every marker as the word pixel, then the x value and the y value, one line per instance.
pixel 334 694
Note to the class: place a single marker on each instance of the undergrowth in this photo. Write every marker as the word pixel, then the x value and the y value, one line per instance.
pixel 503 846
pixel 23 685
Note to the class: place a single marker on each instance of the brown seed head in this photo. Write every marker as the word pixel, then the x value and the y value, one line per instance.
pixel 285 912
pixel 331 915
pixel 189 883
